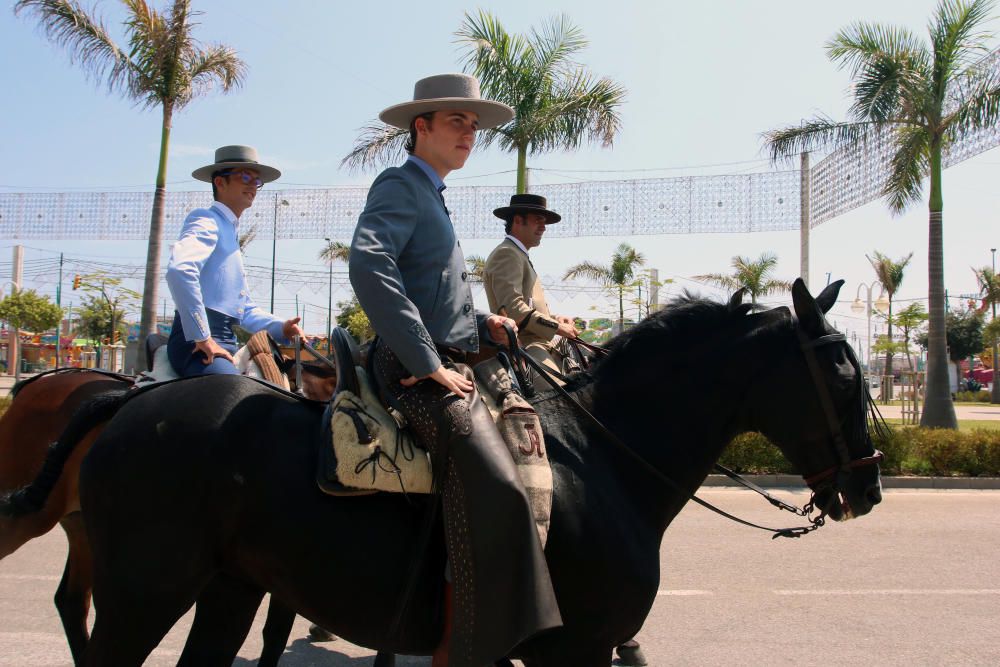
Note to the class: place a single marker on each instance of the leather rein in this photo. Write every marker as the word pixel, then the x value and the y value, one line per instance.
pixel 519 360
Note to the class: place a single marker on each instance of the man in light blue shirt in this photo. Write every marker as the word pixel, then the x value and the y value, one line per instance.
pixel 206 276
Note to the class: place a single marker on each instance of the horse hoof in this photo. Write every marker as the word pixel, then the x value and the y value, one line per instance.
pixel 631 653
pixel 318 634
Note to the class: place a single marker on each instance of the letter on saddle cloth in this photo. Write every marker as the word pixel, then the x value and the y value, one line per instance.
pixel 373 452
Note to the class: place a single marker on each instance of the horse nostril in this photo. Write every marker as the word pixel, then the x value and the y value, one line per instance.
pixel 874 495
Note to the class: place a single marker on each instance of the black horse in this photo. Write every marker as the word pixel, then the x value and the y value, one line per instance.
pixel 216 476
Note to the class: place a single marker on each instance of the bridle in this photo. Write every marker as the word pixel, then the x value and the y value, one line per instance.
pixel 518 361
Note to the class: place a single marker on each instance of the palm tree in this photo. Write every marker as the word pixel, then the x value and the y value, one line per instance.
pixel 477 265
pixel 335 251
pixel 558 103
pixel 989 289
pixel 890 274
pixel 918 98
pixel 752 275
pixel 617 276
pixel 162 66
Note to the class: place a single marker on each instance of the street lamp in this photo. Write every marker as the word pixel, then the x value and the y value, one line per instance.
pixel 882 303
pixel 329 298
pixel 274 242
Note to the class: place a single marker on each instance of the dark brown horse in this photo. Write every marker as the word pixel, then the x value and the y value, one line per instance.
pixel 218 474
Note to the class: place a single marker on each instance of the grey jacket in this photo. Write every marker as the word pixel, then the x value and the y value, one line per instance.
pixel 408 271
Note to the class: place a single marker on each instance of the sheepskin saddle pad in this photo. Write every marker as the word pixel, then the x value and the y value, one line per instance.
pixel 257 359
pixel 372 450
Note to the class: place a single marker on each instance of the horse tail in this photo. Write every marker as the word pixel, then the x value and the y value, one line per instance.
pixel 31 498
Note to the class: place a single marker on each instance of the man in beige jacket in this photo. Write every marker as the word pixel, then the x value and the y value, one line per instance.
pixel 512 285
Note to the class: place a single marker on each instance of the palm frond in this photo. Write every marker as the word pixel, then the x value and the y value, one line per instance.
pixel 590 271
pixel 907 168
pixel 554 45
pixel 989 285
pixel 819 133
pixel 719 279
pixel 216 65
pixel 978 103
pixel 335 251
pixel 958 38
pixel 67 25
pixel 493 55
pixel 859 45
pixel 378 146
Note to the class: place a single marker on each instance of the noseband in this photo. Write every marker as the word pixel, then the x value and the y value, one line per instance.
pixel 818 480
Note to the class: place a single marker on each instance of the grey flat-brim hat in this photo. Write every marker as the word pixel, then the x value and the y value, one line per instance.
pixel 447 91
pixel 236 157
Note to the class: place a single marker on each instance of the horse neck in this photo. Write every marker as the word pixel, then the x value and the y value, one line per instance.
pixel 679 417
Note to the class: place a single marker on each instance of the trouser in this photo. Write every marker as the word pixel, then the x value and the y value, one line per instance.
pixel 187 362
pixel 502 593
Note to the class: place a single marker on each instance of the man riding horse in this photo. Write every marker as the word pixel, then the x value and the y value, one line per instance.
pixel 408 271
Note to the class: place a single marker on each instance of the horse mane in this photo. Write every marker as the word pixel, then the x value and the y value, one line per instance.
pixel 687 323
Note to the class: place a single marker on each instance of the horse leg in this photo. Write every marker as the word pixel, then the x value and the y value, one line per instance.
pixel 73 595
pixel 223 615
pixel 384 660
pixel 276 630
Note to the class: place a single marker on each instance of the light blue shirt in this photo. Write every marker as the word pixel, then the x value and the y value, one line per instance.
pixel 206 271
pixel 429 170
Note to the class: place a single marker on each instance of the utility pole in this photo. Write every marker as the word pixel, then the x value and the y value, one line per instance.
pixel 59 303
pixel 804 194
pixel 13 342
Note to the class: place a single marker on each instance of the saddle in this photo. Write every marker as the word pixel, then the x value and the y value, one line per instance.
pixel 367 448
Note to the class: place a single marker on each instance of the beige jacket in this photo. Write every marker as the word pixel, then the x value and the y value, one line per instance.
pixel 514 290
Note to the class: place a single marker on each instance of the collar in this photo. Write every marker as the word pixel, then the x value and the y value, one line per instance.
pixel 427 169
pixel 518 243
pixel 227 213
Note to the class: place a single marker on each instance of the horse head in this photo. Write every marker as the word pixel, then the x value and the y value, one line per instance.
pixel 826 436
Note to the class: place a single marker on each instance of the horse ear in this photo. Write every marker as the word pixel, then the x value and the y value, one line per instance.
pixel 737 298
pixel 828 296
pixel 806 309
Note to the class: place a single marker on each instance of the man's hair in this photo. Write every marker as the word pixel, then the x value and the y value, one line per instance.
pixel 411 143
pixel 215 190
pixel 509 225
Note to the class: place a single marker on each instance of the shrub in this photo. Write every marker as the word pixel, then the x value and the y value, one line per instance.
pixel 981 396
pixel 909 450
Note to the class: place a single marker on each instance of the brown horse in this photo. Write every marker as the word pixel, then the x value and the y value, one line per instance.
pixel 41 409
pixel 38 414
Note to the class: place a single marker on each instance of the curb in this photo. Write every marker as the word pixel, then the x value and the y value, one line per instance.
pixel 795 482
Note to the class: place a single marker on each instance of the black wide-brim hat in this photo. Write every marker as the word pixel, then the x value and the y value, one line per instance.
pixel 527 203
pixel 236 157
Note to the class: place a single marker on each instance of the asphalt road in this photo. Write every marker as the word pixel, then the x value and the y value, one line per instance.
pixel 917 582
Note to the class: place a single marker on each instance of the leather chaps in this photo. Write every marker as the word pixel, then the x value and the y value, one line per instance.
pixel 502 591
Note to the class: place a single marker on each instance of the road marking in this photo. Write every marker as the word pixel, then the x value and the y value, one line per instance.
pixel 30 577
pixel 682 592
pixel 895 591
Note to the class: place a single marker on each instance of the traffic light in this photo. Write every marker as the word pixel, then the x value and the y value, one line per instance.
pixel 76 281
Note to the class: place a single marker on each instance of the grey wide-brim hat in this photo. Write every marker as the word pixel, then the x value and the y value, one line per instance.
pixel 236 157
pixel 447 91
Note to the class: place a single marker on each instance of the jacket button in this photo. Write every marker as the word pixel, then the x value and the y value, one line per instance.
pixel 464 275
pixel 466 308
pixel 473 341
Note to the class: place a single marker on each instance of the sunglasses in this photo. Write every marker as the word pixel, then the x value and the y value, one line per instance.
pixel 246 177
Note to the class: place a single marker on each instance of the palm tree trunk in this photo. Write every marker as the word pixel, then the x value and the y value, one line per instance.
pixel 939 411
pixel 621 307
pixel 522 169
pixel 995 392
pixel 888 352
pixel 151 283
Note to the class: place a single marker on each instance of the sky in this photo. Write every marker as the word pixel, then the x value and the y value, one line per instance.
pixel 704 80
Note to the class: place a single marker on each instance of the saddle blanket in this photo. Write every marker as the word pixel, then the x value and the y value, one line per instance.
pixel 255 359
pixel 374 452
